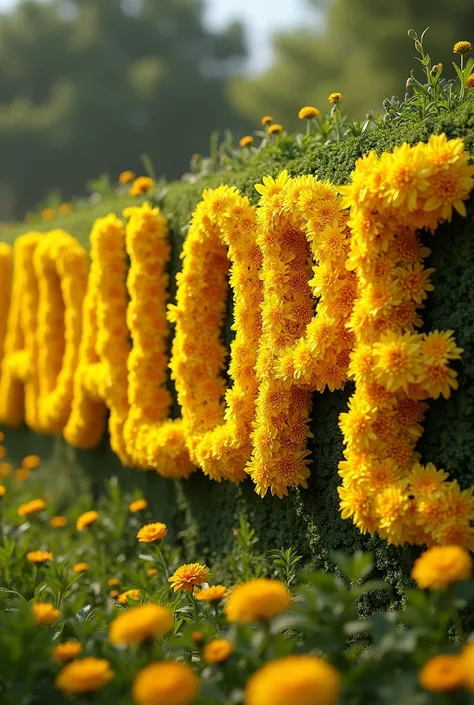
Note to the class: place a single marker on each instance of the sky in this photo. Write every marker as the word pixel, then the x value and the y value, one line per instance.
pixel 261 18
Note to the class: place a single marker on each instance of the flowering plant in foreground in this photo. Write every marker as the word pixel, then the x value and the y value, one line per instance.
pixel 99 608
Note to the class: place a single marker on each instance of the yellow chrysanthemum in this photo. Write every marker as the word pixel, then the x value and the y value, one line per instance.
pixel 214 593
pixel 152 532
pixel 30 462
pixel 81 567
pixel 126 176
pixel 141 185
pixel 217 650
pixel 299 680
pixel 112 582
pixel 66 651
pixel 165 683
pixel 32 507
pixel 257 599
pixel 138 505
pixel 44 613
pixel 462 48
pixel 151 572
pixel 441 566
pixel 266 120
pixel 87 519
pixel 442 673
pixel 84 676
pixel 140 623
pixel 58 522
pixel 470 81
pixel 39 556
pixel 334 98
pixel 133 594
pixel 397 359
pixel 308 112
pixel 275 129
pixel 246 141
pixel 187 576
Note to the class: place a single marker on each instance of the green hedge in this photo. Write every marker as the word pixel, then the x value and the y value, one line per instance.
pixel 202 513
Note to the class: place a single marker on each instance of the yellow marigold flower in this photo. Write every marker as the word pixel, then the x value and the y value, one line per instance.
pixel 6 469
pixel 44 613
pixel 442 673
pixel 39 556
pixel 470 81
pixel 266 120
pixel 212 594
pixel 3 490
pixel 30 462
pixel 141 185
pixel 397 360
pixel 151 572
pixel 126 176
pixel 58 522
pixel 138 505
pixel 84 676
pixel 114 594
pixel 299 680
pixel 165 683
pixel 308 112
pixel 271 186
pixel 140 623
pixel 257 599
pixel 217 650
pixel 112 582
pixel 246 141
pixel 66 651
pixel 86 519
pixel 32 507
pixel 65 208
pixel 198 637
pixel 133 594
pixel 187 576
pixel 80 567
pixel 22 474
pixel 467 658
pixel 441 566
pixel 152 532
pixel 275 129
pixel 334 98
pixel 462 48
pixel 47 214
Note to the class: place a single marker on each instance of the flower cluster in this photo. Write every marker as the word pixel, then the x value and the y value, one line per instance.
pixel 6 262
pixel 61 270
pixel 305 344
pixel 395 368
pixel 152 441
pixel 223 229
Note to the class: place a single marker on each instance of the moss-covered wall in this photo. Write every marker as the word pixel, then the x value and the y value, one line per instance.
pixel 202 513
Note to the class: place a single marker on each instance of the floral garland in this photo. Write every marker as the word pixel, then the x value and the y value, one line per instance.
pixel 6 263
pixel 102 375
pixel 301 349
pixel 152 441
pixel 223 229
pixel 18 381
pixel 384 488
pixel 61 269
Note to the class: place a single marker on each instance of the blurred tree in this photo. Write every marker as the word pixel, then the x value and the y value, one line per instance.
pixel 357 47
pixel 88 85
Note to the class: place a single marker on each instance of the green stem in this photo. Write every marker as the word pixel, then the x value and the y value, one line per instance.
pixel 162 560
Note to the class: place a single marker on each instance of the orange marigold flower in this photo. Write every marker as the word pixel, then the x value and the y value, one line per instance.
pixel 441 566
pixel 22 474
pixel 212 594
pixel 462 48
pixel 112 582
pixel 47 214
pixel 470 81
pixel 187 576
pixel 165 683
pixel 86 519
pixel 266 120
pixel 80 567
pixel 246 141
pixel 152 532
pixel 30 462
pixel 217 650
pixel 151 572
pixel 275 129
pixel 65 208
pixel 66 651
pixel 140 623
pixel 44 613
pixel 32 507
pixel 442 673
pixel 138 505
pixel 308 112
pixel 58 522
pixel 141 185
pixel 257 599
pixel 39 556
pixel 133 594
pixel 126 176
pixel 84 676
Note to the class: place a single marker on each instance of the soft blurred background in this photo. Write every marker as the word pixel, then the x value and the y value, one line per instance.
pixel 87 86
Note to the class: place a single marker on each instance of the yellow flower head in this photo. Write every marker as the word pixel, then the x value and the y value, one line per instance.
pixel 217 650
pixel 3 490
pixel 441 566
pixel 275 129
pixel 397 360
pixel 442 673
pixel 152 532
pixel 47 214
pixel 308 112
pixel 198 637
pixel 151 572
pixel 39 556
pixel 138 505
pixel 257 599
pixel 126 176
pixel 44 613
pixel 299 680
pixel 80 567
pixel 84 676
pixel 30 462
pixel 22 474
pixel 462 48
pixel 266 120
pixel 114 594
pixel 467 657
pixel 6 469
pixel 246 141
pixel 133 594
pixel 187 576
pixel 58 522
pixel 140 623
pixel 470 81
pixel 65 208
pixel 86 519
pixel 32 507
pixel 212 594
pixel 165 683
pixel 66 651
pixel 334 98
pixel 141 185
pixel 112 582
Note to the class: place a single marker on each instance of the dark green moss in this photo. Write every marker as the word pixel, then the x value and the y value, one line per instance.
pixel 203 514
